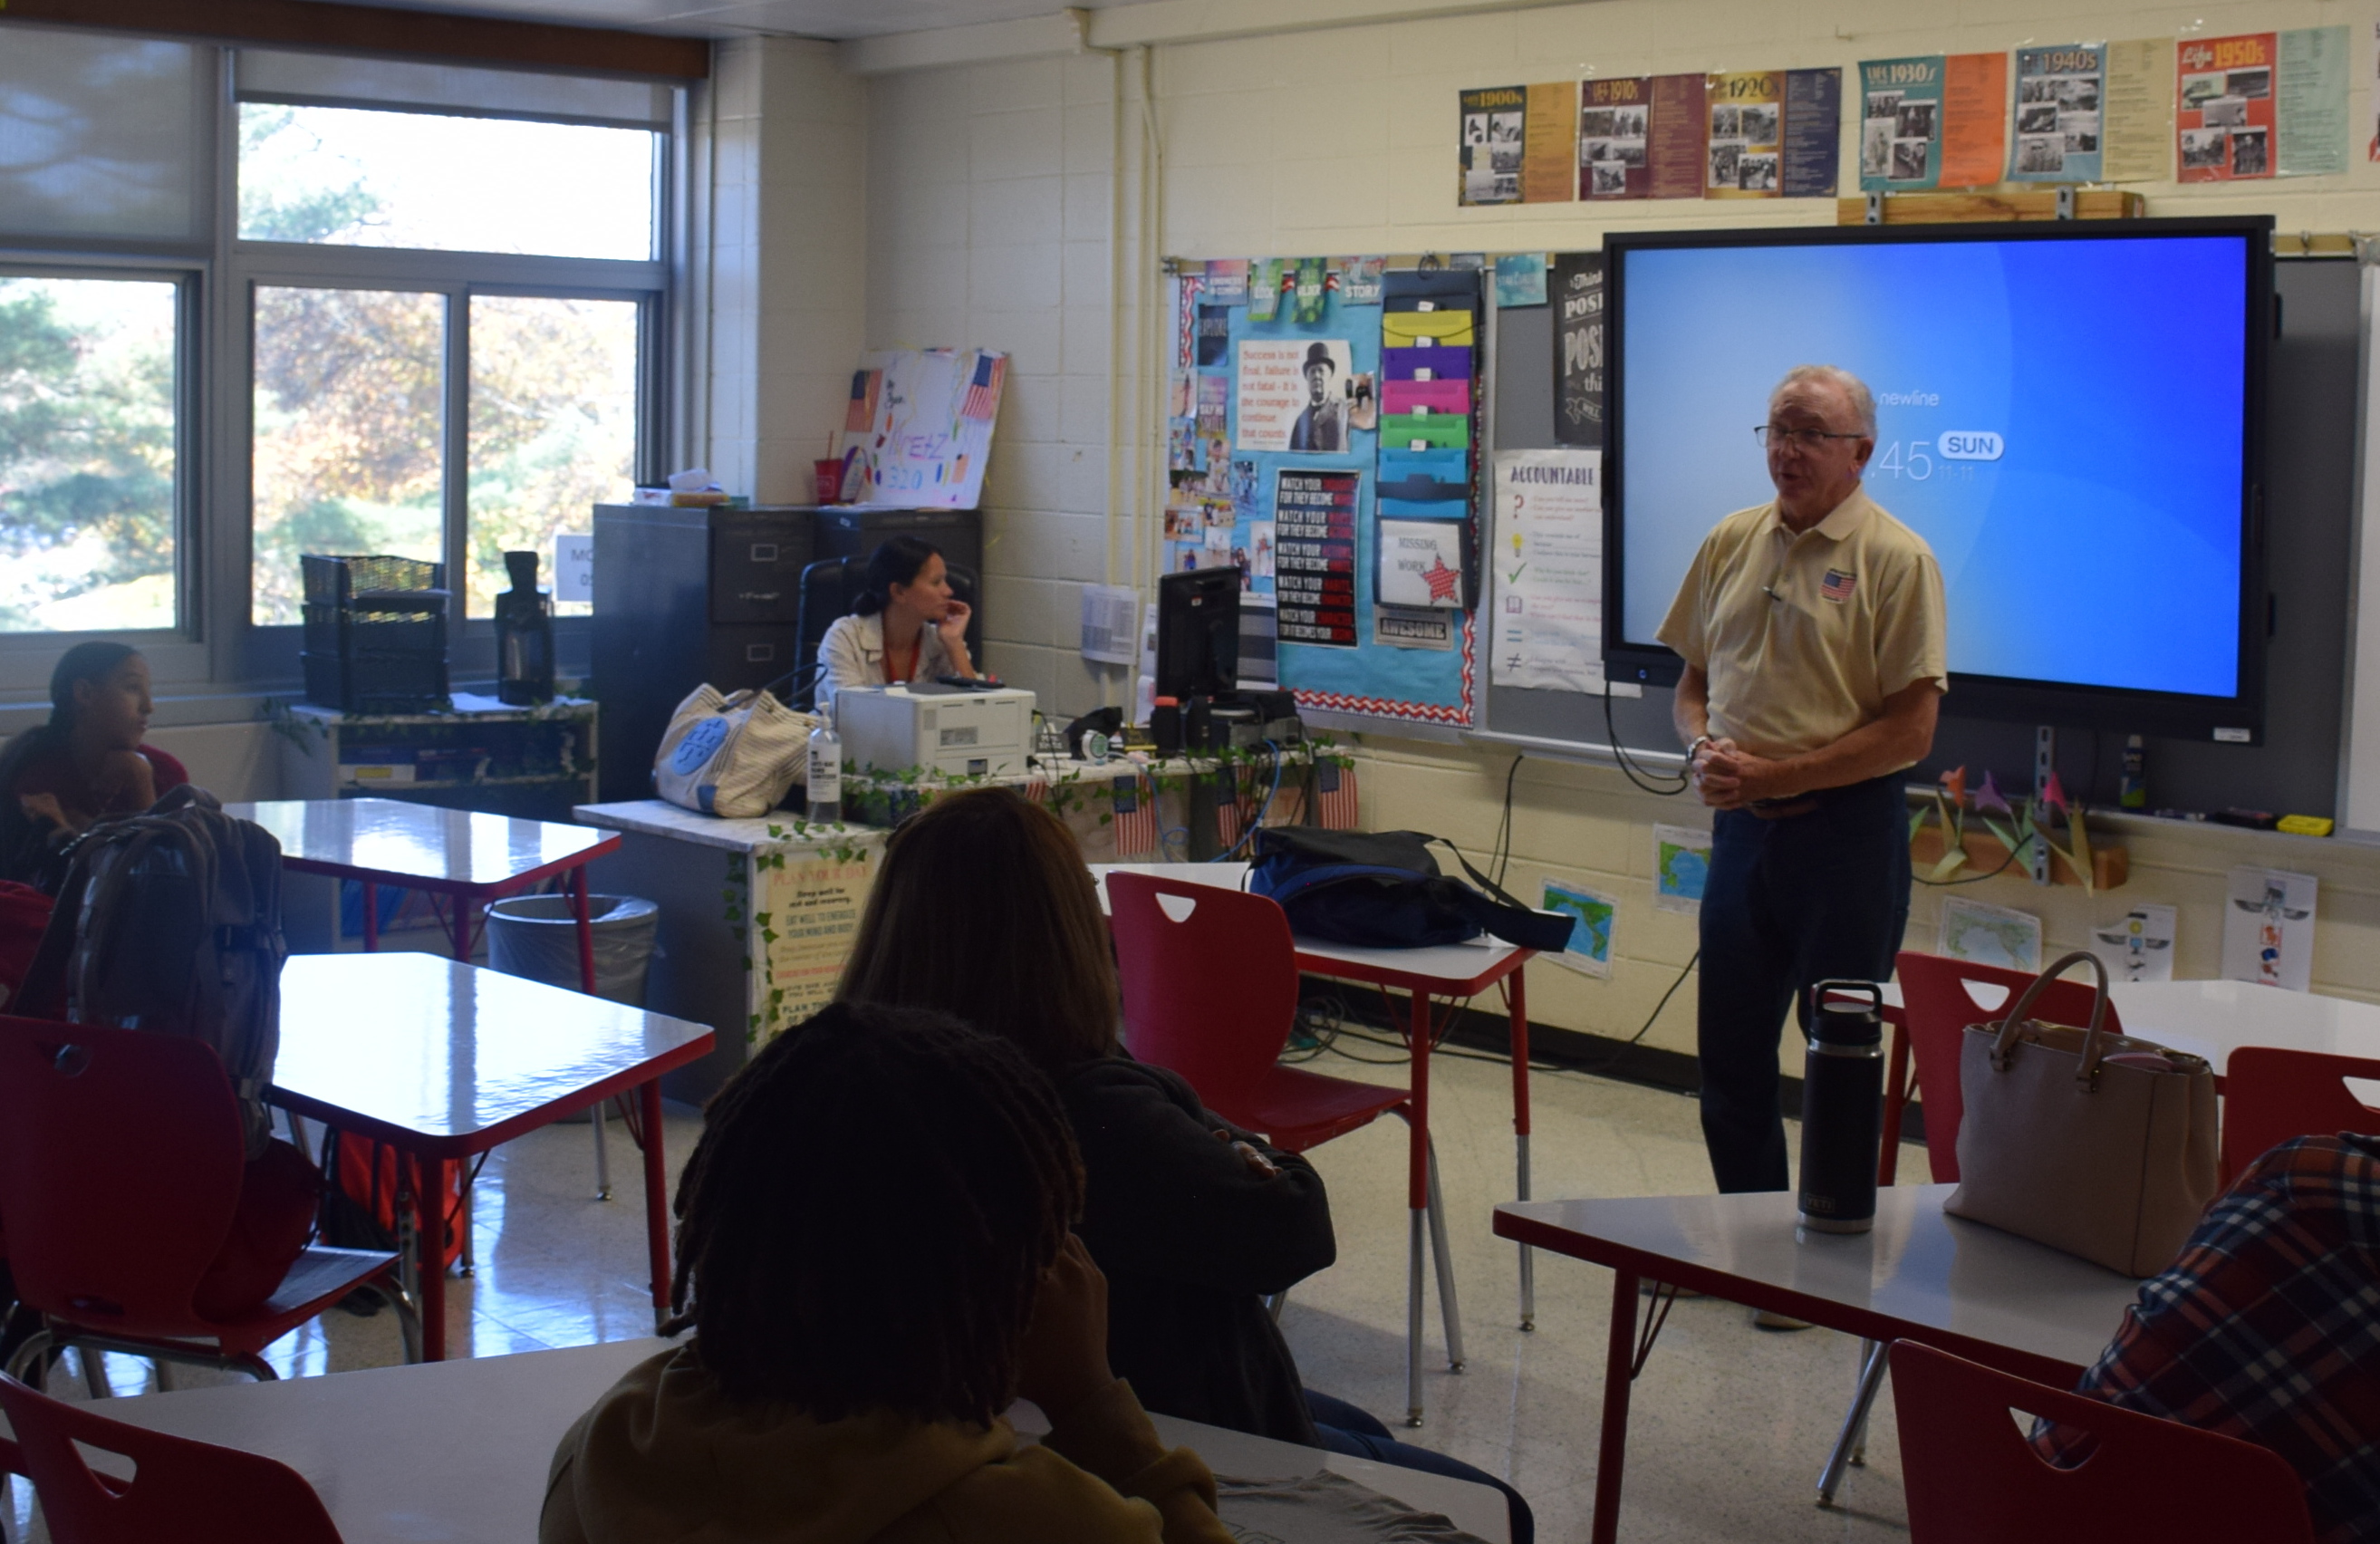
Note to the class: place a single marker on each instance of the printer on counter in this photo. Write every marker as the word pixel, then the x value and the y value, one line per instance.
pixel 956 731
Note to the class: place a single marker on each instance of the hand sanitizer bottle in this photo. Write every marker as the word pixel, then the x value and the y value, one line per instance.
pixel 825 777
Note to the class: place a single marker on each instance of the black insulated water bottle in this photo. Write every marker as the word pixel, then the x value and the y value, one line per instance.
pixel 1842 1106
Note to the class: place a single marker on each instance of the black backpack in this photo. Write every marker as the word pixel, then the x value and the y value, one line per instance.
pixel 170 921
pixel 1383 890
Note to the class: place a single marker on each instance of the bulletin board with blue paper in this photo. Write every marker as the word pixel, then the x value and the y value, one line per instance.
pixel 1321 434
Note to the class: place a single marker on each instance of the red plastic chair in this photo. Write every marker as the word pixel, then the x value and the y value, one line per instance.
pixel 1939 1006
pixel 1973 1478
pixel 2271 1096
pixel 192 1492
pixel 120 1169
pixel 1209 979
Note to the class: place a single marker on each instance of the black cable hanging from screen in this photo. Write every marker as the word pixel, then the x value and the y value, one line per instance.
pixel 1685 779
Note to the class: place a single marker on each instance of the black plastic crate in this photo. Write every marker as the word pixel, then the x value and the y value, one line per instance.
pixel 339 582
pixel 376 627
pixel 376 683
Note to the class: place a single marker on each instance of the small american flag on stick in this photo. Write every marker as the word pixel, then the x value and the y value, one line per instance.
pixel 983 390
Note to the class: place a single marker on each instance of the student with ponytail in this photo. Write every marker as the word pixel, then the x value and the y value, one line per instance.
pixel 905 625
pixel 88 761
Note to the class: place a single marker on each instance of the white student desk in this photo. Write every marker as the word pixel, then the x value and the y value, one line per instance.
pixel 1922 1275
pixel 456 1453
pixel 1455 971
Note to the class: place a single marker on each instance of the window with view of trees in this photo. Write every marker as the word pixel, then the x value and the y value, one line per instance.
pixel 352 402
pixel 88 441
pixel 422 316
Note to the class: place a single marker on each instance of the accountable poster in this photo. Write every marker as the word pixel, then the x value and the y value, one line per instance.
pixel 1574 287
pixel 2059 96
pixel 2223 107
pixel 1546 553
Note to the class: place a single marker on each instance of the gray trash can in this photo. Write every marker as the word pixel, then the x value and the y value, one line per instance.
pixel 536 937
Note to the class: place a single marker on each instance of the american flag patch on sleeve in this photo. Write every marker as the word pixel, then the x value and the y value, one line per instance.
pixel 1837 586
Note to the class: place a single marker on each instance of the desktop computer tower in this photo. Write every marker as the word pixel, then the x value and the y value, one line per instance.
pixel 682 597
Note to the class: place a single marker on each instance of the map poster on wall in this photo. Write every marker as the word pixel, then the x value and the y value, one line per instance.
pixel 1548 559
pixel 1682 858
pixel 1747 133
pixel 1901 122
pixel 1813 132
pixel 2059 96
pixel 2136 111
pixel 1314 555
pixel 1589 949
pixel 1492 132
pixel 2223 107
pixel 2311 122
pixel 1982 934
pixel 1574 287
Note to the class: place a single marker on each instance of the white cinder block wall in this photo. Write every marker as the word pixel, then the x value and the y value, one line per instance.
pixel 984 222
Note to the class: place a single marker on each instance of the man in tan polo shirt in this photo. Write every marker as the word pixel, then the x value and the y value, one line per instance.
pixel 1812 631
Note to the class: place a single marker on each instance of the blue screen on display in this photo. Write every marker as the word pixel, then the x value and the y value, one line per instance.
pixel 2060 420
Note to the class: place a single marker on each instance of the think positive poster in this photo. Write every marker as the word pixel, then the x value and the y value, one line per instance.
pixel 2058 107
pixel 2223 107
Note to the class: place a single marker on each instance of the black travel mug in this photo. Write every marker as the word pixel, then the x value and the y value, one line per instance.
pixel 1165 726
pixel 1842 1106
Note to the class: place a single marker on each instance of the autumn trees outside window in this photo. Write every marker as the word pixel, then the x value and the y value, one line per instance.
pixel 257 304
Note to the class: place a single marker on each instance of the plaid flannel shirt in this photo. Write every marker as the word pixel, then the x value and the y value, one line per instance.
pixel 2267 1328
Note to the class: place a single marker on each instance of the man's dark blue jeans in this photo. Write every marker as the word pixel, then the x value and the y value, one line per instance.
pixel 1807 897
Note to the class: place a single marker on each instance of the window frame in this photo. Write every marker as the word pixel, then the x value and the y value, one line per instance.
pixel 214 650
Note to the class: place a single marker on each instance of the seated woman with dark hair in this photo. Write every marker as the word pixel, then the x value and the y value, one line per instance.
pixel 983 909
pixel 905 625
pixel 873 1236
pixel 87 762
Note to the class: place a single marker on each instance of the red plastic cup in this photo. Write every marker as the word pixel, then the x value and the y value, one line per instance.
pixel 829 479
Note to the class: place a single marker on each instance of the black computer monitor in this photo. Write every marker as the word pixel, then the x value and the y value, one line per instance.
pixel 1198 633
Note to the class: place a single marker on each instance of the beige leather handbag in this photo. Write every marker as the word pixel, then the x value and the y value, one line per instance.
pixel 2100 1145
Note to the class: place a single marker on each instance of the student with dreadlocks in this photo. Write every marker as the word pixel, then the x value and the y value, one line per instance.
pixel 983 909
pixel 874 1255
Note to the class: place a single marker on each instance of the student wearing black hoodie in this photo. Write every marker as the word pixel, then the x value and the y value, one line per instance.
pixel 983 909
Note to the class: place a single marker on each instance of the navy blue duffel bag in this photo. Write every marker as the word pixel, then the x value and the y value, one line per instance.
pixel 1383 890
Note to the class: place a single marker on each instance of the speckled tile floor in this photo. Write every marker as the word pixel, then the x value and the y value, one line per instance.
pixel 1730 1424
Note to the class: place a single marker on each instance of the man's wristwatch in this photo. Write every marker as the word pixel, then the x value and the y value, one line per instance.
pixel 1699 741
